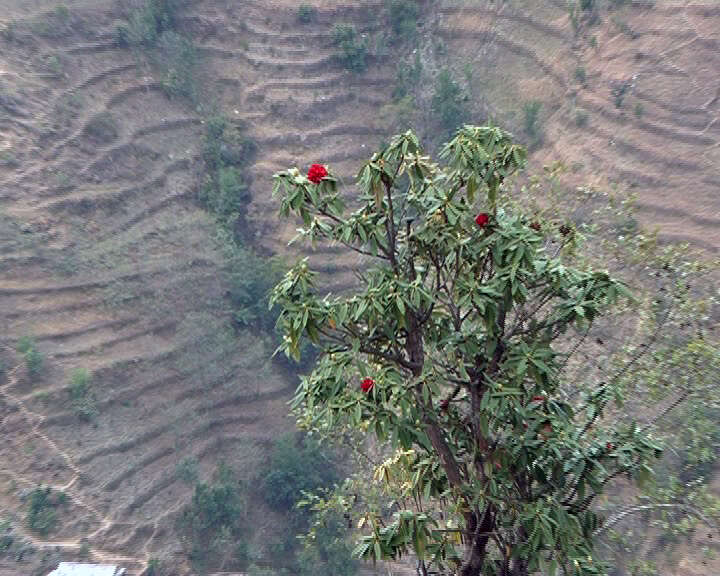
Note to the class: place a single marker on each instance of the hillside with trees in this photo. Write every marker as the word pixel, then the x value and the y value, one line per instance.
pixel 149 420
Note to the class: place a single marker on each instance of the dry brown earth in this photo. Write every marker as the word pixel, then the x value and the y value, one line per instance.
pixel 108 262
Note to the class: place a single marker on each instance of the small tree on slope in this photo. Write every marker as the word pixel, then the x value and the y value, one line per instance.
pixel 452 352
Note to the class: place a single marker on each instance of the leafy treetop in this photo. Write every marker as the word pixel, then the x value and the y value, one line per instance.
pixel 461 322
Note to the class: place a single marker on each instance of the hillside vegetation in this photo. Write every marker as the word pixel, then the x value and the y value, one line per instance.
pixel 138 235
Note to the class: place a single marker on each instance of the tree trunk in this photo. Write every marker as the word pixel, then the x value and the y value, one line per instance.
pixel 477 549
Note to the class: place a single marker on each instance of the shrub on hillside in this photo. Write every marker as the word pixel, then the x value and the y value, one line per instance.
pixel 531 120
pixel 176 57
pixel 42 509
pixel 403 18
pixel 306 14
pixel 408 78
pixel 147 22
pixel 297 464
pixel 353 49
pixel 82 396
pixel 33 357
pixel 251 278
pixel 54 24
pixel 225 151
pixel 448 102
pixel 328 552
pixel 102 128
pixel 212 524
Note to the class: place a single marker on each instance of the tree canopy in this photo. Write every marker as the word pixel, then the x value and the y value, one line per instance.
pixel 453 352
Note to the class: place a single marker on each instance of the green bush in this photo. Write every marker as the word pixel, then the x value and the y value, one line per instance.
pixel 42 509
pixel 250 279
pixel 153 567
pixel 176 57
pixel 306 14
pixel 187 470
pixel 581 75
pixel 225 193
pixel 619 91
pixel 403 18
pixel 531 118
pixel 102 127
pixel 212 524
pixel 408 78
pixel 8 159
pixel 146 23
pixel 297 464
pixel 54 24
pixel 225 144
pixel 81 395
pixel 581 117
pixel 353 50
pixel 328 553
pixel 448 102
pixel 33 357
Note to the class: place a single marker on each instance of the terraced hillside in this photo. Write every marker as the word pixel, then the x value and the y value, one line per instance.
pixel 630 102
pixel 107 261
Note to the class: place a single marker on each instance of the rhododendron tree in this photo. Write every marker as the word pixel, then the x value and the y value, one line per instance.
pixel 464 322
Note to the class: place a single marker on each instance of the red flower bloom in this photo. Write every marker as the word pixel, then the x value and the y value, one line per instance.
pixel 482 219
pixel 367 385
pixel 609 447
pixel 535 226
pixel 316 173
pixel 538 399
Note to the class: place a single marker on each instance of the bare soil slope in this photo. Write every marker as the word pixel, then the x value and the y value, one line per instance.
pixel 107 261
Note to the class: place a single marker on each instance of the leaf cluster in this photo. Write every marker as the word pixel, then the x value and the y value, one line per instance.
pixel 463 330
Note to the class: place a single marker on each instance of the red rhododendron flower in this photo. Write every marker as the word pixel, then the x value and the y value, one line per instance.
pixel 316 173
pixel 367 385
pixel 609 447
pixel 482 219
pixel 538 399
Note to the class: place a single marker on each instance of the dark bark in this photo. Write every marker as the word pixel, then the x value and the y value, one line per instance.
pixel 477 547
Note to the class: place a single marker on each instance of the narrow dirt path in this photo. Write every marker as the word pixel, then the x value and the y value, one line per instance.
pixel 105 523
